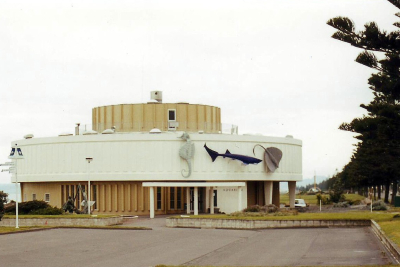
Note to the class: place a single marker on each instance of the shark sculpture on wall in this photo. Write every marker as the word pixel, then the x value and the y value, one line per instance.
pixel 186 152
pixel 245 159
pixel 272 157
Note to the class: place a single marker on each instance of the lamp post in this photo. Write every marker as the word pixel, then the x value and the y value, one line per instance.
pixel 16 156
pixel 88 200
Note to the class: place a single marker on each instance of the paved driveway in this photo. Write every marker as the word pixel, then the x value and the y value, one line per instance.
pixel 80 247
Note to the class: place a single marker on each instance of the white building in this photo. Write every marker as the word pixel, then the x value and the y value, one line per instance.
pixel 137 170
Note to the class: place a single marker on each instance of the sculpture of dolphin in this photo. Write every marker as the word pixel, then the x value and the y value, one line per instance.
pixel 245 159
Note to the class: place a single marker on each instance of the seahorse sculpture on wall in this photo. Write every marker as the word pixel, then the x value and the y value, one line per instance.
pixel 186 152
pixel 272 157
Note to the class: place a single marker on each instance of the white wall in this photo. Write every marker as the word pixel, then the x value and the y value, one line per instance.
pixel 151 157
pixel 228 199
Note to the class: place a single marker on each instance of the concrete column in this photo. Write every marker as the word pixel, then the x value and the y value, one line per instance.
pixel 268 192
pixel 211 200
pixel 88 202
pixel 292 193
pixel 239 198
pixel 207 198
pixel 275 194
pixel 187 200
pixel 151 202
pixel 196 201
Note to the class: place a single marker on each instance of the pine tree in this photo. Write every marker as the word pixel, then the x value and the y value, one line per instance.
pixel 376 159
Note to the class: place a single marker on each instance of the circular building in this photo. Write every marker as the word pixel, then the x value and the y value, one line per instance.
pixel 158 158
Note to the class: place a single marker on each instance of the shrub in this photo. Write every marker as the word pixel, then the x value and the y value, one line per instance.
pixel 269 208
pixel 36 207
pixel 341 205
pixel 254 208
pixel 379 205
pixel 10 208
pixel 286 212
pixel 3 199
pixel 355 202
pixel 32 206
pixel 324 199
pixel 336 192
pixel 48 211
pixel 266 209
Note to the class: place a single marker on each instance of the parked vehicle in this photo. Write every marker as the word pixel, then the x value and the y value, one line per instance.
pixel 300 203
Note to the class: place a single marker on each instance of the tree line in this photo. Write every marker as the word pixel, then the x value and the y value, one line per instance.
pixel 375 162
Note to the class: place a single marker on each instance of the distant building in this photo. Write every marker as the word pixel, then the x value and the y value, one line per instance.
pixel 132 159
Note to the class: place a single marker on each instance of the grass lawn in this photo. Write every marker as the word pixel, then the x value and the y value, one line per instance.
pixel 351 215
pixel 312 199
pixel 391 229
pixel 4 229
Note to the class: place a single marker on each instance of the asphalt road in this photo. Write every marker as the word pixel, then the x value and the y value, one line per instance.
pixel 273 247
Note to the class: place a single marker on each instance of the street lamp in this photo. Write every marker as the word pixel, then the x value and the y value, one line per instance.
pixel 88 200
pixel 16 156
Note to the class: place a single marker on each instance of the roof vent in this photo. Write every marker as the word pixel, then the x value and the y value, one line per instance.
pixel 107 131
pixel 65 134
pixel 156 95
pixel 89 132
pixel 28 136
pixel 289 136
pixel 155 131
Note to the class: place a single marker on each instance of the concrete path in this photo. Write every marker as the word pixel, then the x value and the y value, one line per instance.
pixel 283 247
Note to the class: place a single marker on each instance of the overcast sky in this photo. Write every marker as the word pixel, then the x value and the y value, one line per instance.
pixel 271 66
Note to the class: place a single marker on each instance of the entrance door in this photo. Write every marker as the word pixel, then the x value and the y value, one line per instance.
pixel 200 199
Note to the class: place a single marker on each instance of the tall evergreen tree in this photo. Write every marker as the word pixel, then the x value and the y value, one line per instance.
pixel 376 160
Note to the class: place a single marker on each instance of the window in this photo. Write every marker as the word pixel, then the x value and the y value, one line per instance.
pixel 172 198
pixel 171 114
pixel 158 198
pixel 47 197
pixel 172 124
pixel 33 196
pixel 179 196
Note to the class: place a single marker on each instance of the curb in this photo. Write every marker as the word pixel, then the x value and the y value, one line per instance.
pixel 55 222
pixel 389 245
pixel 76 227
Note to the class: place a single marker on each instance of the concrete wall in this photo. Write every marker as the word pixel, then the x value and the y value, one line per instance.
pixel 254 224
pixel 228 199
pixel 63 221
